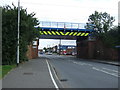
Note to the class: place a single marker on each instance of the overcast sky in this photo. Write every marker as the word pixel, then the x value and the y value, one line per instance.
pixel 66 11
pixel 119 13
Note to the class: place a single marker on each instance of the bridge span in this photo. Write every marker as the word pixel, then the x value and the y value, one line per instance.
pixel 63 30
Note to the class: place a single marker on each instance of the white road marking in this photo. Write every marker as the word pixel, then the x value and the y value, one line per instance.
pixel 110 70
pixel 53 80
pixel 90 65
pixel 74 62
pixel 57 77
pixel 79 63
pixel 113 74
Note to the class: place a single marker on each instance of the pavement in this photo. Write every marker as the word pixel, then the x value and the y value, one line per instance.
pixel 116 63
pixel 0 84
pixel 31 74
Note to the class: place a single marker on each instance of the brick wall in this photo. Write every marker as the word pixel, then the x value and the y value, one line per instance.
pixel 95 50
pixel 82 49
pixel 32 51
pixel 29 52
pixel 103 52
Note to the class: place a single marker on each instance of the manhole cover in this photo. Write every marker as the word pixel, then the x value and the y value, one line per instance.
pixel 63 80
pixel 28 73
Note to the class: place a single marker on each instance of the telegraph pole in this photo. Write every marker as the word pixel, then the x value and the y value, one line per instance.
pixel 18 32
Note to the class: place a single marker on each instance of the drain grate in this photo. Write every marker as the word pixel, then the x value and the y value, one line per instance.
pixel 27 73
pixel 63 80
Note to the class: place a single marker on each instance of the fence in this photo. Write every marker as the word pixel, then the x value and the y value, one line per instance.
pixel 62 25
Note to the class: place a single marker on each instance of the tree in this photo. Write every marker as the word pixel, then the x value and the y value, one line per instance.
pixel 100 22
pixel 111 38
pixel 45 49
pixel 9 33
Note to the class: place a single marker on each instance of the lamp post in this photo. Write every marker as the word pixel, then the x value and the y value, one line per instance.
pixel 18 32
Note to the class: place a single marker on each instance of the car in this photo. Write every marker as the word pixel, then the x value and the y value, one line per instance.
pixel 40 52
pixel 74 53
pixel 49 53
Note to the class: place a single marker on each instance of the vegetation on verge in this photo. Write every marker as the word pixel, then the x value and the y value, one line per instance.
pixel 28 33
pixel 0 71
pixel 4 69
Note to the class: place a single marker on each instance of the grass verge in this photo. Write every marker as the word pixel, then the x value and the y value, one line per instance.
pixel 4 69
pixel 0 71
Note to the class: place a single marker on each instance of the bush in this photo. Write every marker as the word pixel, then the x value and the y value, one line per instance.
pixel 9 33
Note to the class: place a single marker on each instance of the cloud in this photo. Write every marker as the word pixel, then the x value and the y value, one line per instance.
pixel 54 42
pixel 70 10
pixel 119 13
pixel 67 10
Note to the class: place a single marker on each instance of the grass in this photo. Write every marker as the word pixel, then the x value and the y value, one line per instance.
pixel 4 69
pixel 0 71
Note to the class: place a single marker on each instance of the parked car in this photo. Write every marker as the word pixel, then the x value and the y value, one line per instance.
pixel 74 53
pixel 49 53
pixel 40 52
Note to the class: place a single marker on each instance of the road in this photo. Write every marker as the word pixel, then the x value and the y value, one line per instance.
pixel 78 73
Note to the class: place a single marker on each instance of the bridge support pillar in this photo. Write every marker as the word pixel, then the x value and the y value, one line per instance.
pixel 85 47
pixel 91 49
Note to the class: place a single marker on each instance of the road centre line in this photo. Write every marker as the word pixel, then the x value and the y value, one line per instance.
pixel 53 80
pixel 90 65
pixel 79 63
pixel 105 71
pixel 110 70
pixel 113 74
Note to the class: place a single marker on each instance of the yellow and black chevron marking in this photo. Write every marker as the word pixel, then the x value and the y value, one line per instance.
pixel 64 33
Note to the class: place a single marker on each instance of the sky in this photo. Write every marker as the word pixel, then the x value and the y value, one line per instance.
pixel 66 11
pixel 52 42
pixel 119 13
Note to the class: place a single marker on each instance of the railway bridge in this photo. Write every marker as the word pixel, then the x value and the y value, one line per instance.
pixel 68 31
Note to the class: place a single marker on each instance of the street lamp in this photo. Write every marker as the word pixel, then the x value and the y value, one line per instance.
pixel 18 32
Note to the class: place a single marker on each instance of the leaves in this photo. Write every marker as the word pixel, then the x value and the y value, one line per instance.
pixel 111 38
pixel 102 22
pixel 9 33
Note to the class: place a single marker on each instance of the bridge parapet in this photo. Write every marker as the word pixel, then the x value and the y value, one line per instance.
pixel 62 25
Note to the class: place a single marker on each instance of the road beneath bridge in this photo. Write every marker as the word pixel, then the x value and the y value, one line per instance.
pixel 78 73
